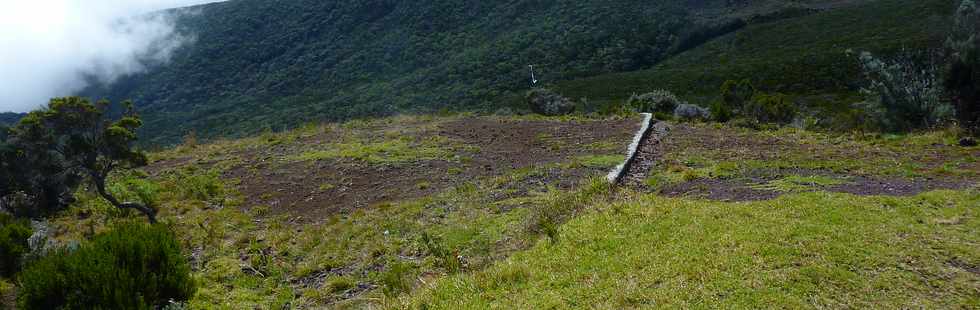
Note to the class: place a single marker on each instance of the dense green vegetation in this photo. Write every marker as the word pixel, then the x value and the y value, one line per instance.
pixel 134 266
pixel 13 243
pixel 505 211
pixel 7 118
pixel 269 64
pixel 55 149
pixel 257 65
pixel 804 57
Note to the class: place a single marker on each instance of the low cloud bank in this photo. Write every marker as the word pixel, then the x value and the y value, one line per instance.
pixel 51 48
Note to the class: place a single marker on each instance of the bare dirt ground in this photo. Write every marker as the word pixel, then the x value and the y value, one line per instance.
pixel 311 190
pixel 861 169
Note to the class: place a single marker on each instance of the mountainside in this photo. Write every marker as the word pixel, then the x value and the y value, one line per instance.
pixel 8 118
pixel 270 64
pixel 801 56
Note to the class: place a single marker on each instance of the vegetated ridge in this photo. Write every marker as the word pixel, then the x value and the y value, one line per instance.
pixel 258 65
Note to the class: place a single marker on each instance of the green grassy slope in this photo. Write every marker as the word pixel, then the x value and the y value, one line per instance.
pixel 799 251
pixel 801 56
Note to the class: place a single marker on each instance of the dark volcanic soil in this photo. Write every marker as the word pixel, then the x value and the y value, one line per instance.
pixel 724 145
pixel 309 191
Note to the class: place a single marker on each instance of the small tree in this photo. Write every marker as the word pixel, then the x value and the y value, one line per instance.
pixel 962 79
pixel 658 101
pixel 72 140
pixel 904 93
pixel 735 94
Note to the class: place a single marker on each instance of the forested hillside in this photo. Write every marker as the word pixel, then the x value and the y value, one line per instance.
pixel 9 118
pixel 800 56
pixel 271 64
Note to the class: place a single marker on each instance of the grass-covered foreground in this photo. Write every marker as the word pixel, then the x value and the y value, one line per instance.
pixel 799 251
pixel 512 212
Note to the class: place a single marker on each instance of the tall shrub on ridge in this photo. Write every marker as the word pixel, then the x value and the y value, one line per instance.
pixel 962 80
pixel 903 93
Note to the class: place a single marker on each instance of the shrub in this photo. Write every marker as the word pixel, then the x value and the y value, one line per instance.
pixel 546 102
pixel 721 112
pixel 691 112
pixel 134 266
pixel 735 94
pixel 395 277
pixel 775 108
pixel 903 94
pixel 446 258
pixel 13 243
pixel 658 101
pixel 962 79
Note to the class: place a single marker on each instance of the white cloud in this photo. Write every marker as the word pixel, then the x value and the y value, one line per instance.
pixel 47 46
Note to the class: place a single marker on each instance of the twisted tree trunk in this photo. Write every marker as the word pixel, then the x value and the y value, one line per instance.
pixel 150 213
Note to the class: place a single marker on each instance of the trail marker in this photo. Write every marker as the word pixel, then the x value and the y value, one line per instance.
pixel 534 81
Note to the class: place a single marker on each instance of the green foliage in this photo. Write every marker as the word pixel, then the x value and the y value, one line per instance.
pixel 903 93
pixel 962 78
pixel 312 60
pixel 549 103
pixel 395 277
pixel 134 266
pixel 13 244
pixel 446 258
pixel 735 94
pixel 771 108
pixel 66 142
pixel 8 118
pixel 721 111
pixel 658 101
pixel 799 56
pixel 690 112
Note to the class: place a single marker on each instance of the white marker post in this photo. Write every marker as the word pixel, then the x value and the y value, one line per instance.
pixel 534 81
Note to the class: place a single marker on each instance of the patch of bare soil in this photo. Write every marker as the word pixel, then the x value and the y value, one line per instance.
pixel 310 191
pixel 716 142
pixel 746 189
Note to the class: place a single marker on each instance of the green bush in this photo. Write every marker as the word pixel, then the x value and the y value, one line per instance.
pixel 688 112
pixel 546 102
pixel 721 112
pixel 735 94
pixel 658 101
pixel 775 108
pixel 13 243
pixel 962 78
pixel 134 266
pixel 903 93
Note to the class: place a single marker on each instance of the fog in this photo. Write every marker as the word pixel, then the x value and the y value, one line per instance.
pixel 48 47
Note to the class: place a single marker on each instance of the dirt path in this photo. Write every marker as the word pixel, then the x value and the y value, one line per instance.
pixel 647 155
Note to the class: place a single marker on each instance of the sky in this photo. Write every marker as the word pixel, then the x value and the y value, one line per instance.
pixel 47 46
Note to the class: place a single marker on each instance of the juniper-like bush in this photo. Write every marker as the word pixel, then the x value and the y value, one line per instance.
pixel 903 93
pixel 134 266
pixel 688 112
pixel 657 101
pixel 547 102
pixel 962 74
pixel 13 243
